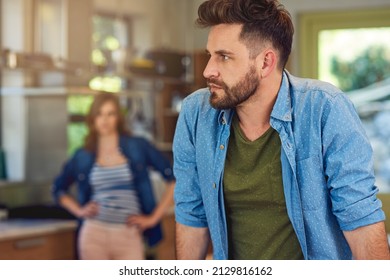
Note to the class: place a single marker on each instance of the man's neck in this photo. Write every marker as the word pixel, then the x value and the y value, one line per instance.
pixel 255 113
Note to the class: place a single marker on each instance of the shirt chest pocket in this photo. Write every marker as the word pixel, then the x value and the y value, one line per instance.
pixel 312 183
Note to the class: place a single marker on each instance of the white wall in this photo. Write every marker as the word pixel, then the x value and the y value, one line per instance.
pixel 157 23
pixel 15 24
pixel 297 6
pixel 200 34
pixel 12 28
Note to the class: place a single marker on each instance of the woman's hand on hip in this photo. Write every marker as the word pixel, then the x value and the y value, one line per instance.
pixel 89 210
pixel 142 222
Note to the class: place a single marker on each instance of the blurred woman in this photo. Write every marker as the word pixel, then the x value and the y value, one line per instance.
pixel 115 200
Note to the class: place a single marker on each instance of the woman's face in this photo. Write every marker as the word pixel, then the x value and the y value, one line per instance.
pixel 107 119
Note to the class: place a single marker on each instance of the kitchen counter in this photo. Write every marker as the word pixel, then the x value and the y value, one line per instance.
pixel 38 239
pixel 23 228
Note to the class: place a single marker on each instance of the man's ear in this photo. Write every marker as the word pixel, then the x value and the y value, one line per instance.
pixel 267 62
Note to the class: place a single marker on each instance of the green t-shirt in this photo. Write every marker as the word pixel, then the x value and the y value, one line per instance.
pixel 258 225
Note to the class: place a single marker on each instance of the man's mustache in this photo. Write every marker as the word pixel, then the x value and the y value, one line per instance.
pixel 215 82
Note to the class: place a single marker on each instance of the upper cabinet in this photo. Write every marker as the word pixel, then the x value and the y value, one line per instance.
pixel 45 42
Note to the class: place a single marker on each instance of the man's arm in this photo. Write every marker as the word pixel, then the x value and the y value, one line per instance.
pixel 191 242
pixel 369 242
pixel 192 234
pixel 349 169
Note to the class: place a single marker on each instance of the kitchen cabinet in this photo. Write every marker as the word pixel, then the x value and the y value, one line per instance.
pixel 166 248
pixel 169 98
pixel 168 105
pixel 38 240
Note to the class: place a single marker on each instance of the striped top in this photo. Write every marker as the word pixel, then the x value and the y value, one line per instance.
pixel 114 191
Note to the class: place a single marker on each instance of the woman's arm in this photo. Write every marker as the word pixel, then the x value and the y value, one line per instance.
pixel 65 179
pixel 147 221
pixel 87 211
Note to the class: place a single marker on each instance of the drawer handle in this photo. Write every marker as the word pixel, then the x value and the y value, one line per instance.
pixel 29 243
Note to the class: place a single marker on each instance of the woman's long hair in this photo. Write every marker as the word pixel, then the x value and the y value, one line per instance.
pixel 91 139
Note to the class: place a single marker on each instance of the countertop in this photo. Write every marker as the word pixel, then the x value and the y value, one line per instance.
pixel 20 228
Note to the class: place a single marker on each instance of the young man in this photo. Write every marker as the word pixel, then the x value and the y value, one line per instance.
pixel 270 166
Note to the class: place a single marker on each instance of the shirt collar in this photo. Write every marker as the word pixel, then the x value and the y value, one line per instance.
pixel 225 116
pixel 282 109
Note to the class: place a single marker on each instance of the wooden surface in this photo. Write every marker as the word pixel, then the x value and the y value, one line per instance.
pixel 53 246
pixel 166 249
pixel 13 229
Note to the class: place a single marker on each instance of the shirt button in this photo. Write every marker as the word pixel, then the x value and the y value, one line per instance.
pixel 214 185
pixel 222 147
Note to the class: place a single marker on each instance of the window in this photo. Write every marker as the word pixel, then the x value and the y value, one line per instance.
pixel 351 50
pixel 352 64
pixel 110 41
pixel 78 107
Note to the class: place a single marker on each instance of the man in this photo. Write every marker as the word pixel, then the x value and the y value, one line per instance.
pixel 270 166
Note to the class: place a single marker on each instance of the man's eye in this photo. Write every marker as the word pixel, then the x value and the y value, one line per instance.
pixel 225 57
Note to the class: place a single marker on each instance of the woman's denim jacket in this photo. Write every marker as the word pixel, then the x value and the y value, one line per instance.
pixel 140 154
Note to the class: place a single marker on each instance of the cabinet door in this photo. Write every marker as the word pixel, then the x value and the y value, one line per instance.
pixel 56 246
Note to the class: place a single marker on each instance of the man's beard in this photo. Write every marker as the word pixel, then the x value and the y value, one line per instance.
pixel 237 94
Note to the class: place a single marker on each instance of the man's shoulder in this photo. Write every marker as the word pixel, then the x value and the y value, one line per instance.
pixel 308 87
pixel 198 102
pixel 198 97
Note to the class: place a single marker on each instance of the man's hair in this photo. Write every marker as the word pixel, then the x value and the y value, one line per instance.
pixel 263 21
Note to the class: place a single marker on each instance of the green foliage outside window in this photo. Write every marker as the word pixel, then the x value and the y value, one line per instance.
pixel 76 136
pixel 78 105
pixel 371 66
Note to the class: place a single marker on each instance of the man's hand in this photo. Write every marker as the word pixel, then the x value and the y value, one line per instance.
pixel 369 242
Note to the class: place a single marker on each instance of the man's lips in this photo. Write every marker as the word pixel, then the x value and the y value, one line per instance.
pixel 212 85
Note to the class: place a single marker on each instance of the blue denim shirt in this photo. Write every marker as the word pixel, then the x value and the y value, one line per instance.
pixel 140 154
pixel 327 167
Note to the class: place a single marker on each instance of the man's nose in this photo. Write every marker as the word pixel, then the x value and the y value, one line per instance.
pixel 210 70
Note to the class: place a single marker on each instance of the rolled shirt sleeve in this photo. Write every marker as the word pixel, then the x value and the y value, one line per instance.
pixel 189 208
pixel 348 163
